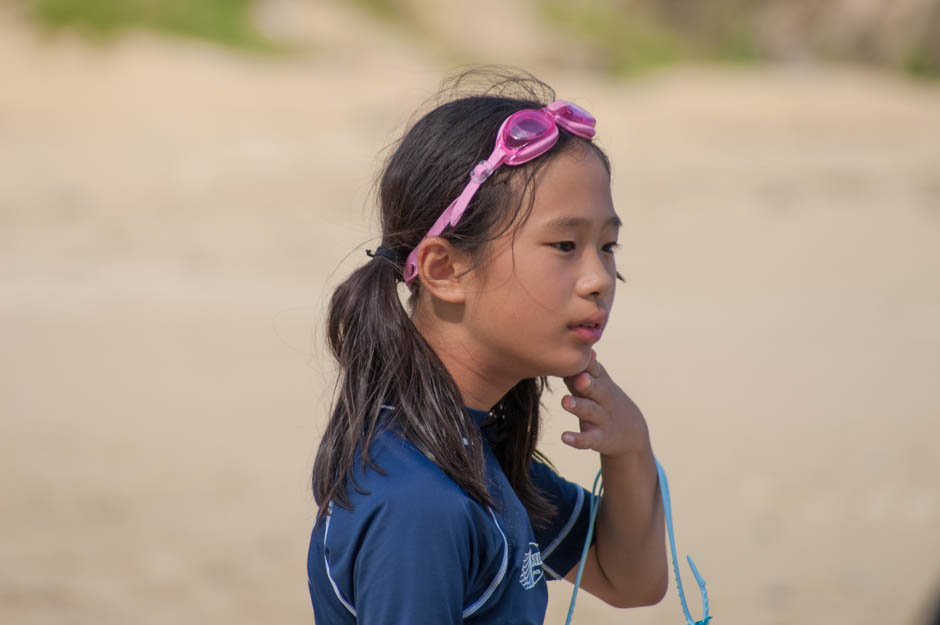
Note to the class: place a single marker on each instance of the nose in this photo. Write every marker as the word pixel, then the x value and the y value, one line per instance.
pixel 597 275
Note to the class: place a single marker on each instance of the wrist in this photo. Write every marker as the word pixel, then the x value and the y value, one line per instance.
pixel 636 444
pixel 640 450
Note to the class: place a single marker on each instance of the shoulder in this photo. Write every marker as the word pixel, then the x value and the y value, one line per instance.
pixel 411 529
pixel 401 491
pixel 399 474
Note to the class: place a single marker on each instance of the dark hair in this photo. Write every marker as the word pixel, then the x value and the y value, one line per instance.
pixel 382 357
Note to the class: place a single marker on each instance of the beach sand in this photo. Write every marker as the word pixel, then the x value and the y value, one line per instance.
pixel 173 218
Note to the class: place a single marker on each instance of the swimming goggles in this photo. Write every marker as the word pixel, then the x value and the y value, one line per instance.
pixel 523 136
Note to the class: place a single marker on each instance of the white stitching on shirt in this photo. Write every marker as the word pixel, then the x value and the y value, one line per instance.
pixel 567 528
pixel 329 574
pixel 476 605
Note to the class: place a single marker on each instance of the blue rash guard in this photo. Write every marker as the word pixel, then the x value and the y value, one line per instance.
pixel 418 550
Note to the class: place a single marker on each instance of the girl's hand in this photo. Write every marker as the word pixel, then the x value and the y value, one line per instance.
pixel 610 422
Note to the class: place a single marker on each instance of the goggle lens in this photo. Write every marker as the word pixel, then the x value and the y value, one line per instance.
pixel 576 114
pixel 524 131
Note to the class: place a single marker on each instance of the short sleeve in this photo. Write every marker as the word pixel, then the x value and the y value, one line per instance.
pixel 419 556
pixel 562 540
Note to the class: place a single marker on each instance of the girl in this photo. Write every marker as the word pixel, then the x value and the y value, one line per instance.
pixel 434 505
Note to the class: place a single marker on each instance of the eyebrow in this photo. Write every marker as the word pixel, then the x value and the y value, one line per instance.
pixel 568 222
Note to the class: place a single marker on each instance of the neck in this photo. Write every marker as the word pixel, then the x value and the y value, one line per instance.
pixel 480 380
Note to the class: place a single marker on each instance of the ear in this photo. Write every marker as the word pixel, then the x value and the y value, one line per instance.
pixel 440 267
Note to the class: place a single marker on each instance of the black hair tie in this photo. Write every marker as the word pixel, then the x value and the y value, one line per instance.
pixel 384 252
pixel 389 253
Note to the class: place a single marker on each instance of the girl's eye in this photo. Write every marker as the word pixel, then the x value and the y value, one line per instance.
pixel 569 246
pixel 564 246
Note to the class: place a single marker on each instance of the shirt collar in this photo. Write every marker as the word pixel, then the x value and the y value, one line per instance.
pixel 478 416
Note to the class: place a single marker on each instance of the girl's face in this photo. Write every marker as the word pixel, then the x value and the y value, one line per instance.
pixel 542 285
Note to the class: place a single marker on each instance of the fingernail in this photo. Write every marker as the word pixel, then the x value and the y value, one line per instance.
pixel 568 438
pixel 570 403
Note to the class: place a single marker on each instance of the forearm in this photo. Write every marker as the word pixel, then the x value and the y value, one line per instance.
pixel 630 528
pixel 627 566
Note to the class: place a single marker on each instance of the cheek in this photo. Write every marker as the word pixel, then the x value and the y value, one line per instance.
pixel 547 297
pixel 526 293
pixel 519 311
pixel 547 285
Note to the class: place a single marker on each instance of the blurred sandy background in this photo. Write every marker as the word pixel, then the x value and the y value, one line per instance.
pixel 174 213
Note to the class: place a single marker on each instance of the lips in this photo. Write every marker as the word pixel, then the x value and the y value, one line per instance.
pixel 595 320
pixel 591 328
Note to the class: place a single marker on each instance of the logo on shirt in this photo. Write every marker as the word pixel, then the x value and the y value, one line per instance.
pixel 531 567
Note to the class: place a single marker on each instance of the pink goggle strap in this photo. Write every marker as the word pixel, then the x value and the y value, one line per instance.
pixel 562 114
pixel 452 214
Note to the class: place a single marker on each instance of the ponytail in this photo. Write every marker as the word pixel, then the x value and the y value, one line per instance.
pixel 384 360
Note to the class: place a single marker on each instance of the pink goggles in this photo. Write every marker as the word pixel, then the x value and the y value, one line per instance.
pixel 523 136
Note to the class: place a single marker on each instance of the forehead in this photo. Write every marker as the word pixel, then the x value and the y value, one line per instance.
pixel 574 187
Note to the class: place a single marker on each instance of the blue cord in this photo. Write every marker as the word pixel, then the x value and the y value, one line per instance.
pixel 596 493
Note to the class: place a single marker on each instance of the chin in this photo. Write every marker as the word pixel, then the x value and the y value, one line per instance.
pixel 572 365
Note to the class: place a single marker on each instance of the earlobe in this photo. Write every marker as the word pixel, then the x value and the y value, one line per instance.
pixel 439 266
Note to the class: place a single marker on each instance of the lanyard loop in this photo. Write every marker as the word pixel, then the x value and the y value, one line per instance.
pixel 667 508
pixel 596 491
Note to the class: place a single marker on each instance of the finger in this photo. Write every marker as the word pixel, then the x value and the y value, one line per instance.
pixel 587 367
pixel 569 382
pixel 582 385
pixel 594 367
pixel 590 439
pixel 583 408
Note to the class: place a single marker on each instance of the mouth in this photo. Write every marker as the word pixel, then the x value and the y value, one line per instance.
pixel 595 321
pixel 588 332
pixel 591 329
